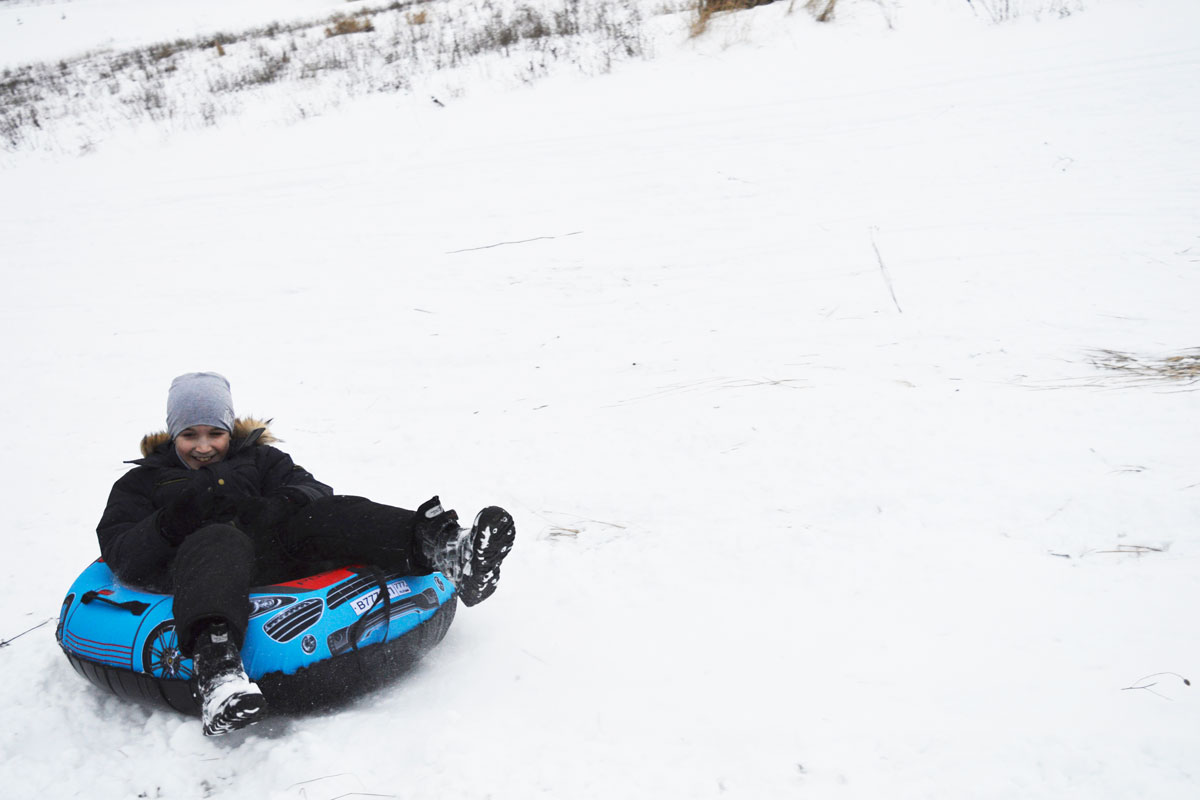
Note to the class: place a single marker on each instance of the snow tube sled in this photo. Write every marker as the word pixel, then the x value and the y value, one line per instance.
pixel 310 643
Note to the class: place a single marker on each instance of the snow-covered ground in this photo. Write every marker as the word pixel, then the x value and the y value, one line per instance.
pixel 780 345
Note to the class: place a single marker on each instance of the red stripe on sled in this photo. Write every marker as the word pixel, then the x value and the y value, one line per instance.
pixel 313 582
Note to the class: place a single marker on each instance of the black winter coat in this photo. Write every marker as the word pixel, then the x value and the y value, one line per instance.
pixel 130 542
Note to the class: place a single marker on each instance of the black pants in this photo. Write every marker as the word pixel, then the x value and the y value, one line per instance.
pixel 218 564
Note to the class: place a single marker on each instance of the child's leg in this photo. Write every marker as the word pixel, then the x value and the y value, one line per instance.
pixel 211 574
pixel 353 530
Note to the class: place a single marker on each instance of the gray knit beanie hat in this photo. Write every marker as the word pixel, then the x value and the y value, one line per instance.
pixel 199 398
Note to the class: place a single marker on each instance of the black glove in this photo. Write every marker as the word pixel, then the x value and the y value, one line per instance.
pixel 186 512
pixel 268 513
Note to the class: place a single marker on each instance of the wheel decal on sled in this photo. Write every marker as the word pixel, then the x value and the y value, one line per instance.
pixel 161 656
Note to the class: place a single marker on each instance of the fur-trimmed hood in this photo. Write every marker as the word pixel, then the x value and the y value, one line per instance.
pixel 243 428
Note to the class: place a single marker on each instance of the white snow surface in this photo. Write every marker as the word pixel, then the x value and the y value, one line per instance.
pixel 777 344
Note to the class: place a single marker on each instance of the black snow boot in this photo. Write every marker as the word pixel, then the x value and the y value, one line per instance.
pixel 469 558
pixel 228 700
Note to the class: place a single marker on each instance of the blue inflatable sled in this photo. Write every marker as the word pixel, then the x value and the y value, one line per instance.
pixel 310 643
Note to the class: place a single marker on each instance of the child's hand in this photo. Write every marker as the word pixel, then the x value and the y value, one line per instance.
pixel 185 513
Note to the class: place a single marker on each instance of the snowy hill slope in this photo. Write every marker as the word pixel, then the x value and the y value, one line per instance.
pixel 784 349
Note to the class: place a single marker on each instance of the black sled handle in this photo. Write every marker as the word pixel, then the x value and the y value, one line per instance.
pixel 135 607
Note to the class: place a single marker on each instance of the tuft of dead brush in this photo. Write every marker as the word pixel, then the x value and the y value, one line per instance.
pixel 822 10
pixel 343 25
pixel 1180 368
pixel 705 9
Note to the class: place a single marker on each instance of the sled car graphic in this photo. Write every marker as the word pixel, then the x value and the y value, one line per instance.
pixel 295 620
pixel 300 640
pixel 108 653
pixel 161 656
pixel 265 604
pixel 343 640
pixel 357 585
